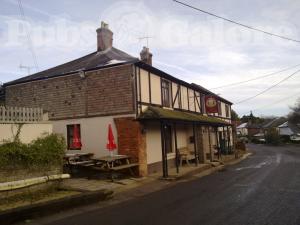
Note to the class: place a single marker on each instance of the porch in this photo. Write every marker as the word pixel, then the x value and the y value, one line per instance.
pixel 170 133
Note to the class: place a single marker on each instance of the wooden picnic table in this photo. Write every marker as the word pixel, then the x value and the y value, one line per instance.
pixel 115 163
pixel 110 162
pixel 107 163
pixel 78 158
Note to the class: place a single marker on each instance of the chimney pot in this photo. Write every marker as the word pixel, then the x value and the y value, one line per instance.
pixel 104 37
pixel 146 56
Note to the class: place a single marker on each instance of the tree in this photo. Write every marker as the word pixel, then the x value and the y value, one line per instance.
pixel 252 119
pixel 272 136
pixel 234 115
pixel 294 116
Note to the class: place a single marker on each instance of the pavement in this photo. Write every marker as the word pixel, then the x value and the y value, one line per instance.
pixel 263 189
pixel 85 184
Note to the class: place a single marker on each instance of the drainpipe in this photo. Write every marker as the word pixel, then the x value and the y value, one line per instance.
pixel 209 141
pixel 163 148
pixel 176 148
pixel 195 146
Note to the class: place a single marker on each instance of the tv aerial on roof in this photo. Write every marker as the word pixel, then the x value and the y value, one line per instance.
pixel 145 38
pixel 28 68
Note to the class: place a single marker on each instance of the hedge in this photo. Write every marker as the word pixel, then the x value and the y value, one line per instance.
pixel 42 153
pixel 272 137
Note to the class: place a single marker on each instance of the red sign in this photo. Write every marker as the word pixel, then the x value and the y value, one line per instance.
pixel 211 104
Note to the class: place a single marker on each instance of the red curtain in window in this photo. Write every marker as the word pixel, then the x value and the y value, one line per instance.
pixel 76 142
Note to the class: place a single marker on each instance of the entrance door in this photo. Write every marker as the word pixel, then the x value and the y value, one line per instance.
pixel 222 142
pixel 168 138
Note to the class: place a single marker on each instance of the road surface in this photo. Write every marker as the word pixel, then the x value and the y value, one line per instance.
pixel 261 190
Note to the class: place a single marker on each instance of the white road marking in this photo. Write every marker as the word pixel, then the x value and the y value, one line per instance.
pixel 278 158
pixel 257 166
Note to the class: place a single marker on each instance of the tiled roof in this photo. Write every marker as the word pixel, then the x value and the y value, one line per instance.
pixel 253 126
pixel 102 59
pixel 275 122
pixel 157 113
pixel 243 125
pixel 110 57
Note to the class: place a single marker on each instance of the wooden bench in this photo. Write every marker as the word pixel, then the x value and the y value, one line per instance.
pixel 185 154
pixel 126 166
pixel 122 167
pixel 84 163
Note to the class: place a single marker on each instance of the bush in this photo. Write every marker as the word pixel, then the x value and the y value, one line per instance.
pixel 255 141
pixel 285 139
pixel 43 153
pixel 272 137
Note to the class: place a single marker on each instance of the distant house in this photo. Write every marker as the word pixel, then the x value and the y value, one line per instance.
pixel 290 130
pixel 152 113
pixel 274 123
pixel 242 130
pixel 248 129
pixel 253 129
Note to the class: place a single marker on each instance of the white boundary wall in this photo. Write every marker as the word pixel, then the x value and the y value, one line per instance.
pixel 28 132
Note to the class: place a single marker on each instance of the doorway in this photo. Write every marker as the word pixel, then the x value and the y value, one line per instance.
pixel 168 138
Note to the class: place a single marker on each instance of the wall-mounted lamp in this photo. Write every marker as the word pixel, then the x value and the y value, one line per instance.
pixel 82 74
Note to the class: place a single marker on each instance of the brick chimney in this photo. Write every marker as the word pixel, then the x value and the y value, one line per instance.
pixel 104 37
pixel 146 56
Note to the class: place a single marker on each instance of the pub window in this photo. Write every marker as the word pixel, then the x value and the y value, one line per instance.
pixel 227 110
pixel 219 108
pixel 166 93
pixel 71 135
pixel 202 99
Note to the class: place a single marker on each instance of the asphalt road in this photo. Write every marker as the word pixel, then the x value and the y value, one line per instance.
pixel 261 190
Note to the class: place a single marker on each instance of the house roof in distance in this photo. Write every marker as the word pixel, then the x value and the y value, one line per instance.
pixel 275 122
pixel 243 125
pixel 95 60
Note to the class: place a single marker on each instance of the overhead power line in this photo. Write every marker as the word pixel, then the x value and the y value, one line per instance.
pixel 256 78
pixel 237 23
pixel 29 40
pixel 273 103
pixel 269 88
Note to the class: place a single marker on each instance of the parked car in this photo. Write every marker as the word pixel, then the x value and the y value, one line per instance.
pixel 243 139
pixel 295 137
pixel 262 140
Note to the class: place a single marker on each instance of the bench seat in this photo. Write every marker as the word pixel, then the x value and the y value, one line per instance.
pixel 126 166
pixel 83 162
pixel 186 154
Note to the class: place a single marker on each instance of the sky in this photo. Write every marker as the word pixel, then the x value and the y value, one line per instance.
pixel 185 43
